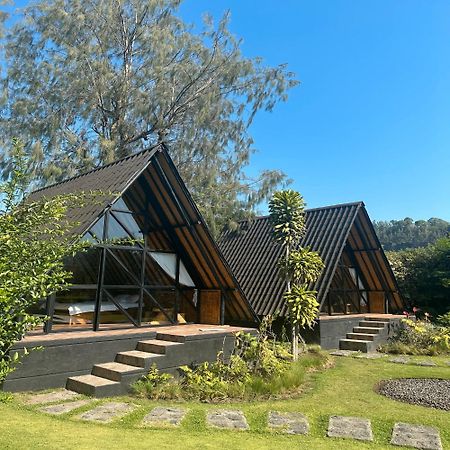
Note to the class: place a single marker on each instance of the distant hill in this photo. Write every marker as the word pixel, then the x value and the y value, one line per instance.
pixel 407 233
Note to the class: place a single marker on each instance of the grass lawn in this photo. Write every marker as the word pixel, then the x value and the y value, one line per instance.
pixel 345 389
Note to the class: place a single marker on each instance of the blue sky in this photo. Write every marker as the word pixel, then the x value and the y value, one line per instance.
pixel 371 118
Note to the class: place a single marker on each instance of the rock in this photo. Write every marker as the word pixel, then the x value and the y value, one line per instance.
pixel 107 412
pixel 427 363
pixel 417 436
pixel 160 415
pixel 432 392
pixel 227 419
pixel 290 423
pixel 350 427
pixel 63 408
pixel 52 397
pixel 370 355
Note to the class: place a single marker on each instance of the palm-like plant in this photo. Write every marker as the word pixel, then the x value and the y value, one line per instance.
pixel 298 266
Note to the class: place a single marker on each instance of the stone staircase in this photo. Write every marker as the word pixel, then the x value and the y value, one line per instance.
pixel 367 336
pixel 167 351
pixel 114 378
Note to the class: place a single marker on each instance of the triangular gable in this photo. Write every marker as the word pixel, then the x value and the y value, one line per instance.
pixel 152 183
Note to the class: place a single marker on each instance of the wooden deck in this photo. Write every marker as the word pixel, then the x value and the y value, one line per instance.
pixel 186 331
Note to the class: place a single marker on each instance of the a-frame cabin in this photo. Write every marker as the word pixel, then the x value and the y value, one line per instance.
pixel 357 279
pixel 152 288
pixel 152 260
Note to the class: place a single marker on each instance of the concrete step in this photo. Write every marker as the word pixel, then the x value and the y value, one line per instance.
pixel 157 346
pixel 138 358
pixel 116 371
pixel 377 319
pixel 361 336
pixel 93 385
pixel 367 330
pixel 356 345
pixel 372 323
pixel 170 337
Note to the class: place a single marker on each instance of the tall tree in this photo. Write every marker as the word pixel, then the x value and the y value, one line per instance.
pixel 407 233
pixel 35 237
pixel 299 266
pixel 91 81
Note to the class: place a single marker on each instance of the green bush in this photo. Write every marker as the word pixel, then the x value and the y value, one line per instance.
pixel 418 338
pixel 258 367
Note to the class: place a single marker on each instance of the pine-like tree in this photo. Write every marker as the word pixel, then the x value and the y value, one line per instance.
pixel 90 81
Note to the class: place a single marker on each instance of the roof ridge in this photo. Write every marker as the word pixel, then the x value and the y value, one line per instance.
pixel 96 169
pixel 338 205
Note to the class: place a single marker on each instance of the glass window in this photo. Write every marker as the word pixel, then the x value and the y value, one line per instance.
pixel 84 266
pixel 123 267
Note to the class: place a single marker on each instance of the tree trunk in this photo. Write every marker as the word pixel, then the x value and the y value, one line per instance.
pixel 294 343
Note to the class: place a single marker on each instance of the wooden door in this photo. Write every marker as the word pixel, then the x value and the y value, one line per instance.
pixel 210 306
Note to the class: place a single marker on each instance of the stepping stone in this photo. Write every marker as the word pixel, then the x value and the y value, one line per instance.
pixel 63 408
pixel 400 360
pixel 350 427
pixel 107 412
pixel 416 436
pixel 52 397
pixel 370 355
pixel 227 419
pixel 160 415
pixel 290 423
pixel 426 363
pixel 343 353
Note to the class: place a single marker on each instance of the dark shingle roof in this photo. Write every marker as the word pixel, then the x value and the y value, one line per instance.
pixel 253 254
pixel 111 180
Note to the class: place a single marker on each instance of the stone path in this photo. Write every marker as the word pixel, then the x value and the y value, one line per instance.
pixel 416 436
pixel 161 415
pixel 290 423
pixel 350 427
pixel 403 434
pixel 63 408
pixel 51 397
pixel 234 419
pixel 107 412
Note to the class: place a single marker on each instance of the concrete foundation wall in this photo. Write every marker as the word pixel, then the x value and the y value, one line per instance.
pixel 50 366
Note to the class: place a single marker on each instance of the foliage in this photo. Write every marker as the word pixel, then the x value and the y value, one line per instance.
pixel 35 237
pixel 87 82
pixel 258 366
pixel 444 320
pixel 419 338
pixel 302 304
pixel 286 209
pixel 298 266
pixel 423 275
pixel 406 234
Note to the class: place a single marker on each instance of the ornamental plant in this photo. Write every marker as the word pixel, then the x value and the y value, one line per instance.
pixel 299 266
pixel 35 237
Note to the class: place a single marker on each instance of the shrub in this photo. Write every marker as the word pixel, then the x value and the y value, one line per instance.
pixel 258 367
pixel 418 338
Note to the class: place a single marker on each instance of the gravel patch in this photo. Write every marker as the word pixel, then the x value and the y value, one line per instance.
pixel 431 392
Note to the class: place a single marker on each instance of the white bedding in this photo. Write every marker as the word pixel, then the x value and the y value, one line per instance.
pixel 126 301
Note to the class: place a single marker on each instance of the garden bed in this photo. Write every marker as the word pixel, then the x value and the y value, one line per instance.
pixel 430 392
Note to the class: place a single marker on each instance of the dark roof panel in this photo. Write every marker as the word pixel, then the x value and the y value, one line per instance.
pixel 253 254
